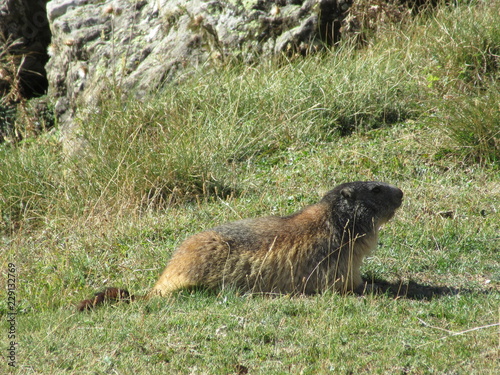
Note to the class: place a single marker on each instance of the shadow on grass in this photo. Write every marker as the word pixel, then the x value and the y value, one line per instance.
pixel 410 290
pixel 416 291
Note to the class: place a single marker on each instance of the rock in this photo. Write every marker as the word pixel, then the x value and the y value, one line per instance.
pixel 141 45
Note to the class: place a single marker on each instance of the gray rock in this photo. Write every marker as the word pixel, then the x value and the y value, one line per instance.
pixel 141 45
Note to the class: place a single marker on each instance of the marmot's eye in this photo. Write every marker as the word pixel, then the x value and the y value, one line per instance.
pixel 376 190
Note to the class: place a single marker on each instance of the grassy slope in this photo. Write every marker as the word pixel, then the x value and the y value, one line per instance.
pixel 274 147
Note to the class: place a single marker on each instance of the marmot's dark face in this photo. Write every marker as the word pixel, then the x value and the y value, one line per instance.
pixel 365 202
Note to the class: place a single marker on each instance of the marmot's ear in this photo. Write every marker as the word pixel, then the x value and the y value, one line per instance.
pixel 348 193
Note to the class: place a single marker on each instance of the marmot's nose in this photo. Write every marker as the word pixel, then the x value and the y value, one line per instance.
pixel 400 194
pixel 397 195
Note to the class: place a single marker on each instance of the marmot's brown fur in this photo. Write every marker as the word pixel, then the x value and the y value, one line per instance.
pixel 318 248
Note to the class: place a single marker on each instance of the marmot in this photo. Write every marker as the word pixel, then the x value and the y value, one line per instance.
pixel 318 248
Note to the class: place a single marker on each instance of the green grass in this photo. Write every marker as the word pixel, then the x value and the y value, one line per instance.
pixel 215 334
pixel 400 110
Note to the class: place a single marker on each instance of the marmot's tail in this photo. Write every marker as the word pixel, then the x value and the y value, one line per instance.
pixel 109 295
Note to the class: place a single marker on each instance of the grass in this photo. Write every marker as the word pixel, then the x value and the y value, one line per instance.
pixel 141 179
pixel 472 124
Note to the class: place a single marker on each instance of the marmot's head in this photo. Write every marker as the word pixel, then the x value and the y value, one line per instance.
pixel 364 202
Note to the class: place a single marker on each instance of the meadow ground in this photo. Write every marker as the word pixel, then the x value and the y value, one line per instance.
pixel 417 107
